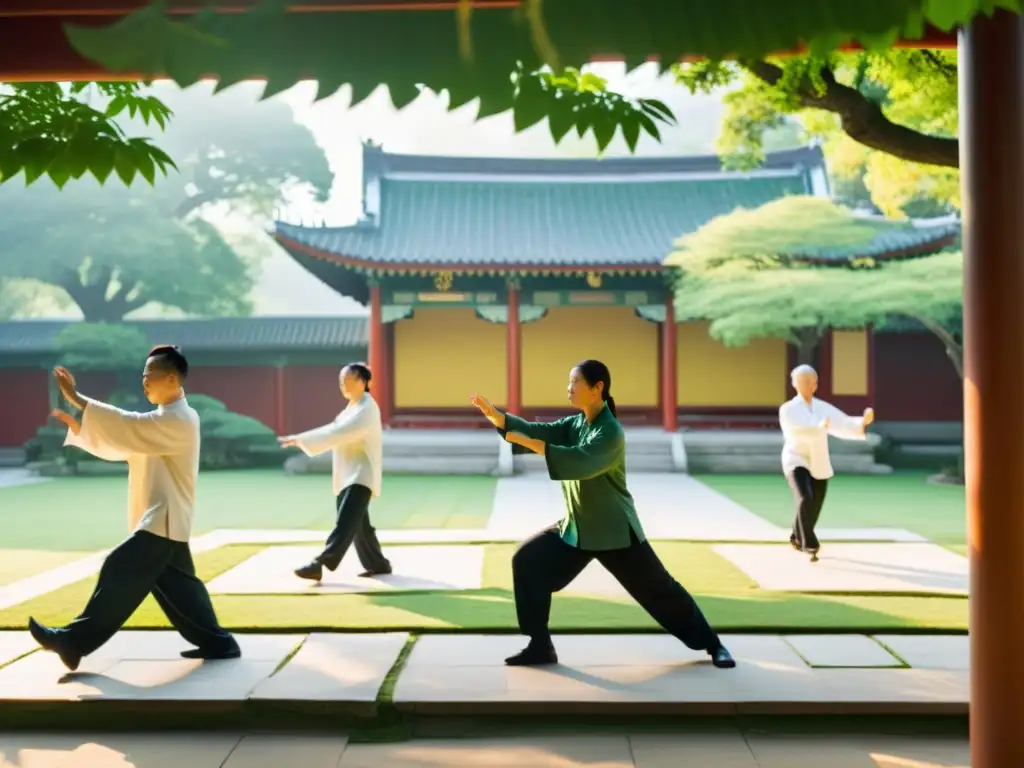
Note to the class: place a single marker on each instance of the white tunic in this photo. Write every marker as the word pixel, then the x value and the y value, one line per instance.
pixel 356 441
pixel 806 440
pixel 162 451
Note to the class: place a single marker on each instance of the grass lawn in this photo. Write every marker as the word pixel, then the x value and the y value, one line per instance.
pixel 900 500
pixel 728 597
pixel 88 513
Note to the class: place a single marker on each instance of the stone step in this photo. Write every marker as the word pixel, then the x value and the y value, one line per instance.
pixel 11 458
pixel 283 679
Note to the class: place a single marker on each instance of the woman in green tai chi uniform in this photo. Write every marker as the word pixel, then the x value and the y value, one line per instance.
pixel 587 453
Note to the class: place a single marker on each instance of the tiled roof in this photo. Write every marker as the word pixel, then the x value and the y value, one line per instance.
pixel 893 239
pixel 256 334
pixel 505 211
pixel 537 223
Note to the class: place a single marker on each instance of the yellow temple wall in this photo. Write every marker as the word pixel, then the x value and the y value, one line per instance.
pixel 627 344
pixel 850 363
pixel 708 373
pixel 445 354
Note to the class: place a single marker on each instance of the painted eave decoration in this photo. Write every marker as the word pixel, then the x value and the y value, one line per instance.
pixel 468 49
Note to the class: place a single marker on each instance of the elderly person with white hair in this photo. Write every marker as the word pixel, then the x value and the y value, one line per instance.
pixel 806 424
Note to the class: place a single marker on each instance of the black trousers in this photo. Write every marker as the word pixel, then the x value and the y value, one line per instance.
pixel 809 494
pixel 545 564
pixel 145 563
pixel 352 526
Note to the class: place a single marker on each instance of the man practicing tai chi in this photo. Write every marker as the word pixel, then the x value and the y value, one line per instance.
pixel 162 451
pixel 356 441
pixel 806 424
pixel 587 453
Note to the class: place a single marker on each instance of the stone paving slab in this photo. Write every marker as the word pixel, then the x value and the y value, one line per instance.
pixel 921 568
pixel 447 675
pixel 118 750
pixel 718 747
pixel 146 665
pixel 842 651
pixel 930 651
pixel 592 751
pixel 336 668
pixel 14 645
pixel 415 568
pixel 281 750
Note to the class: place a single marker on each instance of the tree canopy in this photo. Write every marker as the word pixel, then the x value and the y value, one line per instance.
pixel 114 249
pixel 748 274
pixel 56 130
pixel 888 119
pixel 496 55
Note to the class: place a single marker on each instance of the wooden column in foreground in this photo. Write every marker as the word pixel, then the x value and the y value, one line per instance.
pixel 379 356
pixel 669 404
pixel 514 349
pixel 992 167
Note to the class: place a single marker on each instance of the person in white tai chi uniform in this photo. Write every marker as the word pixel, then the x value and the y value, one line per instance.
pixel 806 424
pixel 161 448
pixel 356 441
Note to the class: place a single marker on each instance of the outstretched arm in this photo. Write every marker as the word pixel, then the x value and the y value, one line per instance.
pixel 353 424
pixel 550 432
pixel 113 434
pixel 845 427
pixel 556 432
pixel 580 462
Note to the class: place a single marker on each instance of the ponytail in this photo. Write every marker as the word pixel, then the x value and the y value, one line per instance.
pixel 611 405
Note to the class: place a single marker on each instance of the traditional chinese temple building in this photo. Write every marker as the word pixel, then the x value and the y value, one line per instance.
pixel 497 275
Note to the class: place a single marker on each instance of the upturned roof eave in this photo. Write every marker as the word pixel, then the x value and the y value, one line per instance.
pixel 352 261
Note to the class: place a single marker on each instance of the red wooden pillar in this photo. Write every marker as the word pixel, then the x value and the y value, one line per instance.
pixel 992 178
pixel 669 405
pixel 513 348
pixel 280 400
pixel 379 356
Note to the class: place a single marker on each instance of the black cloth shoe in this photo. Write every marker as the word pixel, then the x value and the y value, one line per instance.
pixel 211 655
pixel 534 655
pixel 312 571
pixel 51 641
pixel 371 574
pixel 721 658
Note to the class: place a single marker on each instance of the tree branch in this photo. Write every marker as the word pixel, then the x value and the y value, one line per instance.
pixel 954 350
pixel 864 121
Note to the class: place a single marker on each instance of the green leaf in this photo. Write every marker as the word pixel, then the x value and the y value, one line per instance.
pixel 35 157
pixel 125 163
pixel 631 131
pixel 658 108
pixel 650 126
pixel 560 119
pixel 62 168
pixel 604 131
pixel 531 103
pixel 116 106
pixel 101 161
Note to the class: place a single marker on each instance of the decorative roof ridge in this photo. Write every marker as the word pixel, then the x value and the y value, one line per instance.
pixel 377 162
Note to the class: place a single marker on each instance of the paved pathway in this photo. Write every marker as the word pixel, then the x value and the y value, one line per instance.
pixel 722 748
pixel 465 674
pixel 921 568
pixel 18 476
pixel 416 567
pixel 671 506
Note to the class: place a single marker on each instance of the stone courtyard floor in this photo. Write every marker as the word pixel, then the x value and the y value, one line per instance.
pixel 718 747
pixel 876 628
